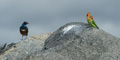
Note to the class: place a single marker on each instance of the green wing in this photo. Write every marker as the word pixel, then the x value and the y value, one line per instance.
pixel 94 24
pixel 88 21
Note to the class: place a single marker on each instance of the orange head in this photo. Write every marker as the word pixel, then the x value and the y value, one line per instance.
pixel 88 15
pixel 91 17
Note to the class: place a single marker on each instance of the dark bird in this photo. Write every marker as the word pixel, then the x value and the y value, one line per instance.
pixel 24 29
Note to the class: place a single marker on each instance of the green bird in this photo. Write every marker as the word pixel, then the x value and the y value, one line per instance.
pixel 91 21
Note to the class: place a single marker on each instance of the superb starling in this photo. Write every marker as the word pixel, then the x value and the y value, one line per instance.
pixel 24 29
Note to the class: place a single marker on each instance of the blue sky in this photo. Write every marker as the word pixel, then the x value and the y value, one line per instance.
pixel 48 15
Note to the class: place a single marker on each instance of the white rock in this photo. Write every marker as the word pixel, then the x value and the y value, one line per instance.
pixel 66 29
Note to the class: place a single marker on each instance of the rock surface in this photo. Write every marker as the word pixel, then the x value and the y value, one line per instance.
pixel 20 50
pixel 2 48
pixel 73 41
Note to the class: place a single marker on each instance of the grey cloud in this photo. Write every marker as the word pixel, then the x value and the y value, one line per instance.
pixel 49 15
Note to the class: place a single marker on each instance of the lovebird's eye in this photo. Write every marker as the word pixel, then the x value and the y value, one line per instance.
pixel 87 14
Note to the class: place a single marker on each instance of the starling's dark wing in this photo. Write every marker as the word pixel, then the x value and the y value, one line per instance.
pixel 24 30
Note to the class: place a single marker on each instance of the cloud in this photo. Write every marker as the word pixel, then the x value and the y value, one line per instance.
pixel 49 15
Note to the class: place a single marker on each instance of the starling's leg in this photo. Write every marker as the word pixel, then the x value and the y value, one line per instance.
pixel 25 37
pixel 22 37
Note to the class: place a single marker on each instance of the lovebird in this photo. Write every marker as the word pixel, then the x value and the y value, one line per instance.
pixel 88 17
pixel 91 21
pixel 24 30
